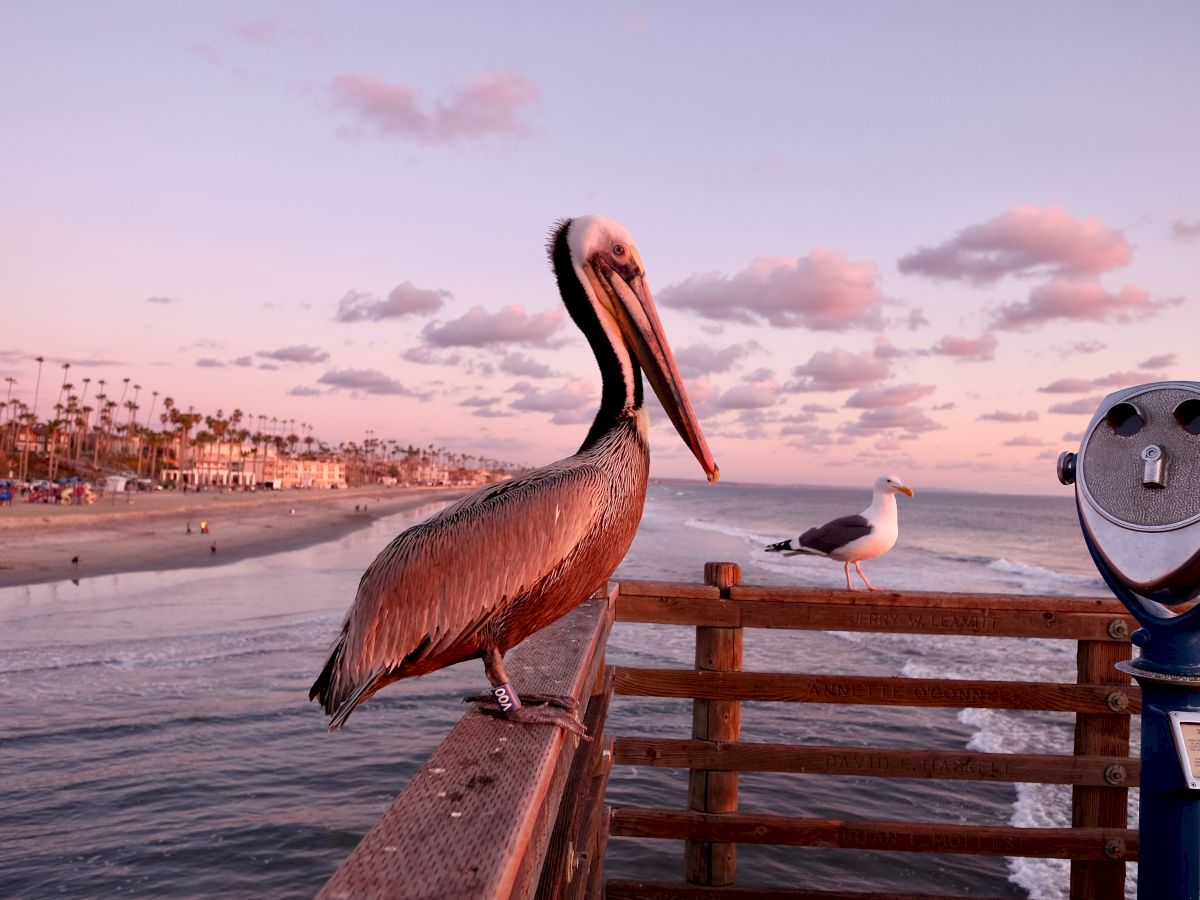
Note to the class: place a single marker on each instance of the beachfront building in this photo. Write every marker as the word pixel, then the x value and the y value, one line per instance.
pixel 298 472
pixel 265 469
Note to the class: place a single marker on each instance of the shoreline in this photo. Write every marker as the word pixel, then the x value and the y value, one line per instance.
pixel 148 531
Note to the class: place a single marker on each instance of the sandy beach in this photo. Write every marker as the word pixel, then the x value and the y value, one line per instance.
pixel 148 531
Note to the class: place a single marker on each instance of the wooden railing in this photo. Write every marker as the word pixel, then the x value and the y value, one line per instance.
pixel 1100 770
pixel 502 811
pixel 498 809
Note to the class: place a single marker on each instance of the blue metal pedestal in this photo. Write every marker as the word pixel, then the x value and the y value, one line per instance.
pixel 1169 817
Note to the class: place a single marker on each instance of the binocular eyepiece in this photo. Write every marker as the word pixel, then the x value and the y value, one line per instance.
pixel 1137 489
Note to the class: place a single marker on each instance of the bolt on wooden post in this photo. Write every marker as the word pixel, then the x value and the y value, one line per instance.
pixel 717 650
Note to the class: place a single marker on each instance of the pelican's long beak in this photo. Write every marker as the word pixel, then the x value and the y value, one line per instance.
pixel 637 317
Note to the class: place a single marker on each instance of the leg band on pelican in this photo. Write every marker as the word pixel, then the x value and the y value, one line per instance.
pixel 506 698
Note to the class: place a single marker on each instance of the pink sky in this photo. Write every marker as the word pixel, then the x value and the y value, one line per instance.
pixel 922 240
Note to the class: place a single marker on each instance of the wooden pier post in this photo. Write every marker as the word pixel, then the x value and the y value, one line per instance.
pixel 717 650
pixel 1097 734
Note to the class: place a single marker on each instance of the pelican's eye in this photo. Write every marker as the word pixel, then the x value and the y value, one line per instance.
pixel 618 250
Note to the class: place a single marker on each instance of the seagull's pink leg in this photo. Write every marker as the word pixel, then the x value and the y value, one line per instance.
pixel 849 586
pixel 862 575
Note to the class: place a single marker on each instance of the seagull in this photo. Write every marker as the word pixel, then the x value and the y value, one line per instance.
pixel 852 539
pixel 507 559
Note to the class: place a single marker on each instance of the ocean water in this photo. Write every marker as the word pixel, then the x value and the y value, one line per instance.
pixel 156 739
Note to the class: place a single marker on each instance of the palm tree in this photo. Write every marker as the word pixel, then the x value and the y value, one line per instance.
pixel 25 446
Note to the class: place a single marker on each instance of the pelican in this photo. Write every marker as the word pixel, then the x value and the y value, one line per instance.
pixel 851 539
pixel 477 578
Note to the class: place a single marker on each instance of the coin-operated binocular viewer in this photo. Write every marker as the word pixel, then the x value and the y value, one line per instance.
pixel 1137 489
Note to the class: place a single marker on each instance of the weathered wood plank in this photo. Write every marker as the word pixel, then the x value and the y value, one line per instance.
pixel 917 837
pixel 663 890
pixel 670 590
pixel 1091 806
pixel 465 824
pixel 931 599
pixel 878 690
pixel 1097 771
pixel 981 616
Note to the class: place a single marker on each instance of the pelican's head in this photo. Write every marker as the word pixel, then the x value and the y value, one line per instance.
pixel 890 484
pixel 610 270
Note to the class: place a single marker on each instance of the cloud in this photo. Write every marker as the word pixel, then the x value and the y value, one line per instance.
pixel 1160 361
pixel 1067 386
pixel 1185 231
pixel 1120 379
pixel 490 104
pixel 302 391
pixel 1087 347
pixel 479 328
pixel 1082 406
pixel 1003 415
pixel 980 349
pixel 759 391
pixel 575 403
pixel 301 353
pixel 703 359
pixel 426 356
pixel 823 291
pixel 368 381
pixel 522 365
pixel 207 362
pixel 162 300
pixel 267 29
pixel 906 418
pixel 404 300
pixel 1026 241
pixel 838 370
pixel 244 362
pixel 478 401
pixel 1024 440
pixel 1078 301
pixel 896 395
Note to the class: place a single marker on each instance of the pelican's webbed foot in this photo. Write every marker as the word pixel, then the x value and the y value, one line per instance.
pixel 542 715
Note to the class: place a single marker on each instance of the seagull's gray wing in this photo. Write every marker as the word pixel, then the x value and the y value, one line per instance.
pixel 832 535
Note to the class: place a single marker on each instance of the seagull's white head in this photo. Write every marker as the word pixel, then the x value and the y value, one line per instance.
pixel 890 484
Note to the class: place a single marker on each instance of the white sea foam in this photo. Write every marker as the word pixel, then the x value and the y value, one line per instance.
pixel 750 536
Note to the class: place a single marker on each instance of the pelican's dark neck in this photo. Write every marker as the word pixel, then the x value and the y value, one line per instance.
pixel 614 398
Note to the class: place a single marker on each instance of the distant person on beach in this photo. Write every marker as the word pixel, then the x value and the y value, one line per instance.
pixel 213 547
pixel 203 527
pixel 189 528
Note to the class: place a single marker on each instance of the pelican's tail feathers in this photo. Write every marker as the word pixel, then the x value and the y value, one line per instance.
pixel 336 694
pixel 357 696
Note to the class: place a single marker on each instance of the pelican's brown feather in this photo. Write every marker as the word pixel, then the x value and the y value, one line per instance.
pixel 450 578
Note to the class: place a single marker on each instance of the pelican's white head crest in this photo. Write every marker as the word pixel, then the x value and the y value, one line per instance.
pixel 609 268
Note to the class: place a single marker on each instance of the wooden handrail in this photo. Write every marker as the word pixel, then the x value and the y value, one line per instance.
pixel 503 812
pixel 853 834
pixel 983 615
pixel 476 820
pixel 1108 772
pixel 878 690
pixel 1102 700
